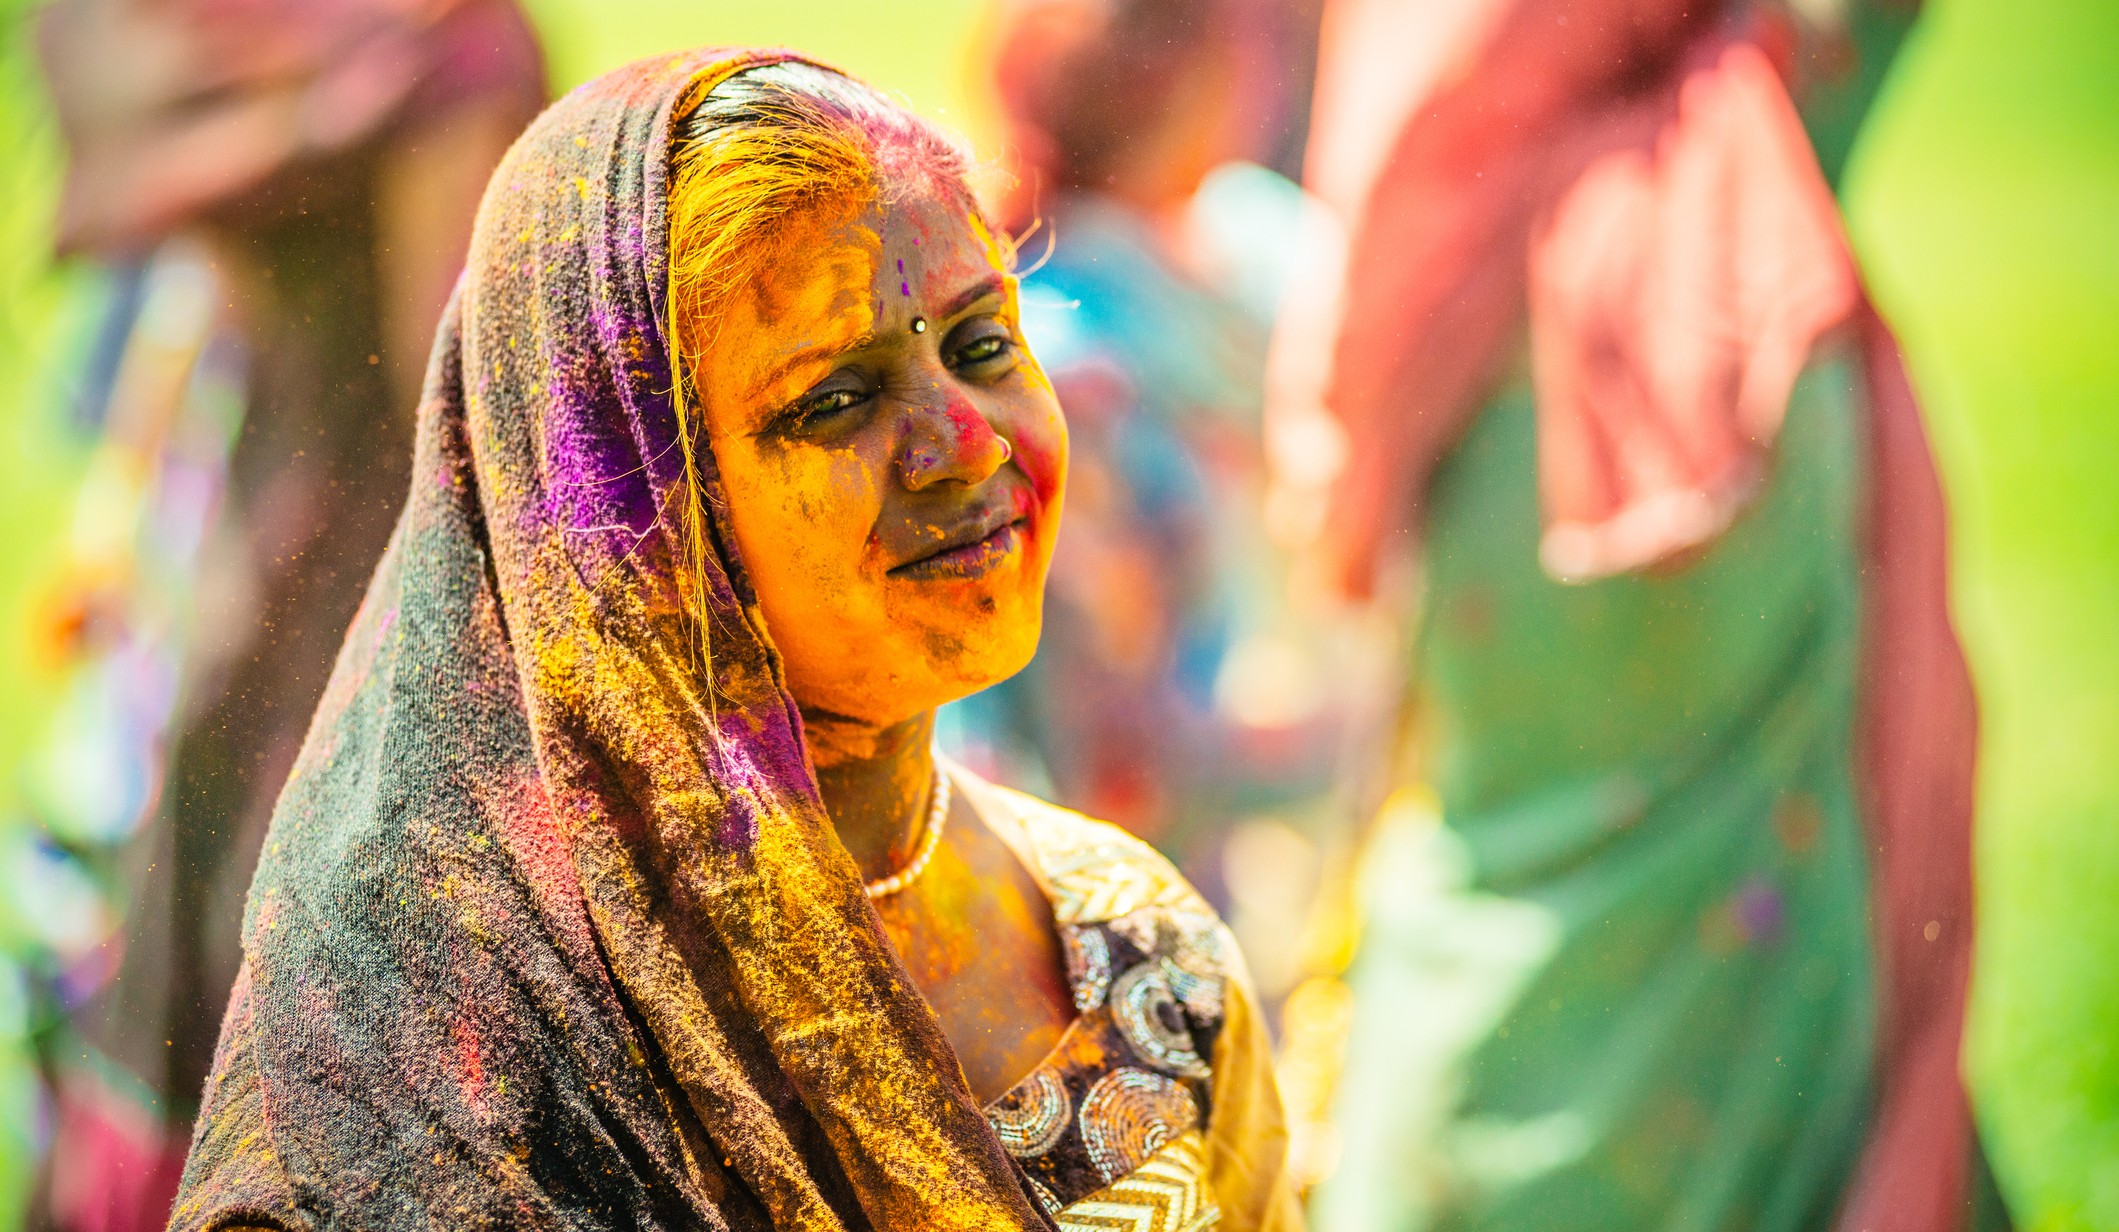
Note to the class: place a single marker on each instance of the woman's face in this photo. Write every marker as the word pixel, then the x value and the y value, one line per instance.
pixel 893 460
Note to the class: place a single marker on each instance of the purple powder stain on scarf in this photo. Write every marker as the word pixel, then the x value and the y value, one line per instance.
pixel 611 327
pixel 749 785
pixel 594 476
pixel 738 826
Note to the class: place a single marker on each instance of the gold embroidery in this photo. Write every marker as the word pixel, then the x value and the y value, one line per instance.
pixel 1093 870
pixel 1129 1116
pixel 1167 1193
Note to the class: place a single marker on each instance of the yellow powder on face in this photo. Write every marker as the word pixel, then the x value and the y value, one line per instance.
pixel 732 204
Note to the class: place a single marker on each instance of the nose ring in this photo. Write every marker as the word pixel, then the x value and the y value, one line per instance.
pixel 1007 450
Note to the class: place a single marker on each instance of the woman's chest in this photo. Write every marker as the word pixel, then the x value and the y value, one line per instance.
pixel 1085 1004
pixel 978 939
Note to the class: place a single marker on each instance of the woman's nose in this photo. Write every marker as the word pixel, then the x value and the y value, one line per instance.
pixel 951 443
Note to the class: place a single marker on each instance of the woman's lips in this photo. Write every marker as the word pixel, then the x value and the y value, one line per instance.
pixel 969 560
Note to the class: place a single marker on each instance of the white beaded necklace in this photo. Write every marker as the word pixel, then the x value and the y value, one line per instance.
pixel 930 838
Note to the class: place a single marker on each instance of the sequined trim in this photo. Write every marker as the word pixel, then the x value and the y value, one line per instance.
pixel 1202 994
pixel 1147 964
pixel 1032 1116
pixel 1044 1197
pixel 1088 966
pixel 1104 880
pixel 1129 1115
pixel 1152 1017
pixel 1093 871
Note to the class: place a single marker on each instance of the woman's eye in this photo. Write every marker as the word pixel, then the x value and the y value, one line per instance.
pixel 819 410
pixel 984 355
pixel 981 350
pixel 984 352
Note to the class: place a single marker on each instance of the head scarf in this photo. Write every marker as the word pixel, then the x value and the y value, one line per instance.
pixel 549 930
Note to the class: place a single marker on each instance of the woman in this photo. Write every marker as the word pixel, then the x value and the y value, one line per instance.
pixel 1690 948
pixel 617 885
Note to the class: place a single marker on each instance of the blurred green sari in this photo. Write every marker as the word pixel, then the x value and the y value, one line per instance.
pixel 1630 984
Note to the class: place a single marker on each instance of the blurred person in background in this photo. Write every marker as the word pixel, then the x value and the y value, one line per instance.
pixel 282 192
pixel 1690 942
pixel 1173 691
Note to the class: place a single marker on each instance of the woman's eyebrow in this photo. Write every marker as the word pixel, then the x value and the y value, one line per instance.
pixel 992 284
pixel 809 355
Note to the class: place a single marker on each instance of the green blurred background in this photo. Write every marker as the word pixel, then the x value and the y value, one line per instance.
pixel 1985 202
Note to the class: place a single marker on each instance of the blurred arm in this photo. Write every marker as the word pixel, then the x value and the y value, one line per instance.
pixel 1433 284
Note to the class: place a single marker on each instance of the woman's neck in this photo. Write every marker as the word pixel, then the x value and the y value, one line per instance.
pixel 876 783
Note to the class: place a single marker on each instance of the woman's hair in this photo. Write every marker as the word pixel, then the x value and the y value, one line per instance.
pixel 763 158
pixel 778 144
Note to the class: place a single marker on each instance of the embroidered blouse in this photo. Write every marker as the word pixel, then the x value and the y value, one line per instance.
pixel 1157 1110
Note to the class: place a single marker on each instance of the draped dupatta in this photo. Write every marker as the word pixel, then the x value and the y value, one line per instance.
pixel 551 928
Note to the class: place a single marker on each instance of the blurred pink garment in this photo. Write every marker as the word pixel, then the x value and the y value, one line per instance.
pixel 133 1161
pixel 1626 183
pixel 1660 390
pixel 176 108
pixel 1919 742
pixel 1633 178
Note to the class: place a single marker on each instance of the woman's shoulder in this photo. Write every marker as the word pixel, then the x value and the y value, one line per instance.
pixel 232 1177
pixel 1093 871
